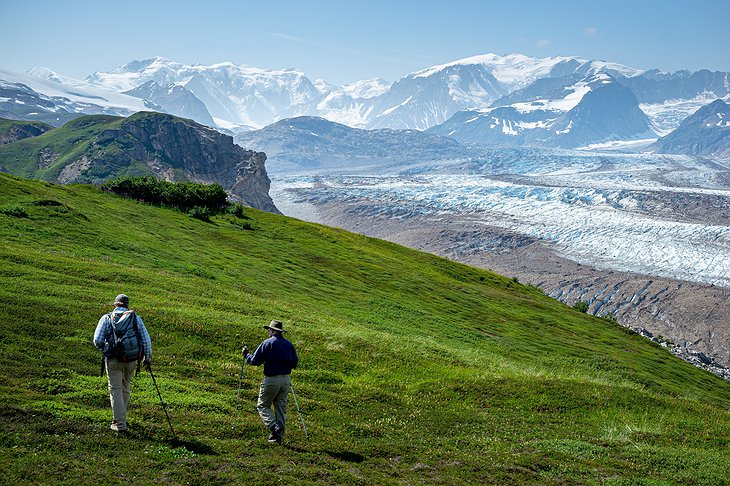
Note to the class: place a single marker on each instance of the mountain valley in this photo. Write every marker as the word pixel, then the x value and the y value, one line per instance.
pixel 592 180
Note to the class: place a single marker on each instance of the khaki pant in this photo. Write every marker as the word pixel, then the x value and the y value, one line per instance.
pixel 274 391
pixel 120 380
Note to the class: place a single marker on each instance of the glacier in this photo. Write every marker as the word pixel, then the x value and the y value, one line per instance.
pixel 620 212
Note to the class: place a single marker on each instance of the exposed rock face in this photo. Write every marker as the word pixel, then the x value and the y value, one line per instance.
pixel 72 171
pixel 252 185
pixel 175 149
pixel 46 158
pixel 18 130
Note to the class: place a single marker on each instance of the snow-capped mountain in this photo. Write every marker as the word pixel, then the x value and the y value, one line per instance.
pixel 558 112
pixel 350 104
pixel 429 97
pixel 252 97
pixel 43 95
pixel 234 94
pixel 174 99
pixel 655 86
pixel 530 100
pixel 707 132
pixel 669 98
pixel 256 97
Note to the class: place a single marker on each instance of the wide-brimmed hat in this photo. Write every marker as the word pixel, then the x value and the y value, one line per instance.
pixel 275 326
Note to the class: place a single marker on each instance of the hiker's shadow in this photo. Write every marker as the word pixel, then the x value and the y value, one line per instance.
pixel 346 456
pixel 193 446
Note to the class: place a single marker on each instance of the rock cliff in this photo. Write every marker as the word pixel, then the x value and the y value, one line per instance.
pixel 98 148
pixel 13 130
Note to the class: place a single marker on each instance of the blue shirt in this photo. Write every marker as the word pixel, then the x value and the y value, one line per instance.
pixel 277 355
pixel 103 333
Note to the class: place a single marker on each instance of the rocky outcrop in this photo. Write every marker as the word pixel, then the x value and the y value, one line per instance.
pixel 174 149
pixel 12 130
pixel 252 185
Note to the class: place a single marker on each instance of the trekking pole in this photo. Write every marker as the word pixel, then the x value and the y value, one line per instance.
pixel 164 407
pixel 240 378
pixel 298 411
pixel 103 363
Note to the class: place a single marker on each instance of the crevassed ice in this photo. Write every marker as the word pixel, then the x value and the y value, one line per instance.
pixel 593 226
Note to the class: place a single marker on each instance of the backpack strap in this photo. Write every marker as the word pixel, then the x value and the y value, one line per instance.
pixel 114 328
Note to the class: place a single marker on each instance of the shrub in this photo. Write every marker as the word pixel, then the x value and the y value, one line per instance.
pixel 581 306
pixel 201 213
pixel 14 210
pixel 237 210
pixel 184 196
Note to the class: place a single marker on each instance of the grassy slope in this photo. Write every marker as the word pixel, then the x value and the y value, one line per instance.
pixel 68 143
pixel 413 369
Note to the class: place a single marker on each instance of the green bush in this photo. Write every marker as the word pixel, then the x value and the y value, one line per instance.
pixel 14 210
pixel 181 195
pixel 581 306
pixel 201 213
pixel 237 210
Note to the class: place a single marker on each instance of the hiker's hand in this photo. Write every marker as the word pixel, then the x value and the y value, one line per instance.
pixel 245 351
pixel 146 363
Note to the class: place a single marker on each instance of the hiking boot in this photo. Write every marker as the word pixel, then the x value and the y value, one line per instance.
pixel 275 435
pixel 116 428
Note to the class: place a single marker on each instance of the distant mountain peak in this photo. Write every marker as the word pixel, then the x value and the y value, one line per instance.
pixel 534 92
pixel 45 73
pixel 139 66
pixel 706 132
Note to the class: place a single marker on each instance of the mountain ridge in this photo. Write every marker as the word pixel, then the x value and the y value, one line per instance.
pixel 307 143
pixel 706 133
pixel 239 97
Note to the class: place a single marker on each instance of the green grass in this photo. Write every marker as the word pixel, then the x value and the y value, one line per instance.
pixel 44 156
pixel 413 369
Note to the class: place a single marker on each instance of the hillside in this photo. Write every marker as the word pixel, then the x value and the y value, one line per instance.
pixel 97 148
pixel 14 130
pixel 309 143
pixel 413 369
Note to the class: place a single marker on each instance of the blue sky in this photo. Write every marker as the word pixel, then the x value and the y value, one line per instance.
pixel 342 42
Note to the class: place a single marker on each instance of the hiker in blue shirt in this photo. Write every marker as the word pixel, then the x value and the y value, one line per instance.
pixel 279 357
pixel 120 370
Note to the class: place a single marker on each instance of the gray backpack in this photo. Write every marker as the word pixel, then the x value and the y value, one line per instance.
pixel 127 341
